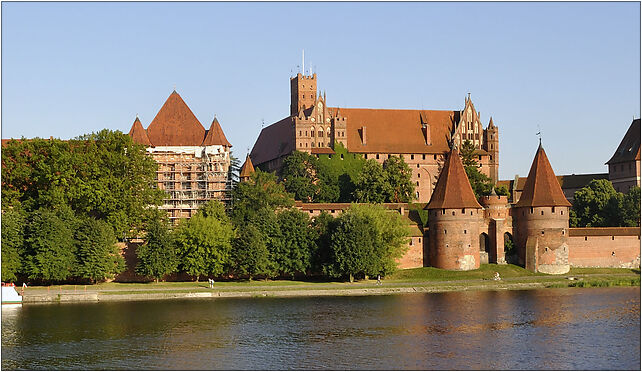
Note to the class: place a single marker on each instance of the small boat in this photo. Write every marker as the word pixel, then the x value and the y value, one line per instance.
pixel 10 294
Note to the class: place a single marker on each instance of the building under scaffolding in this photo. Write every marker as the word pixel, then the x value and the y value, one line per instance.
pixel 193 163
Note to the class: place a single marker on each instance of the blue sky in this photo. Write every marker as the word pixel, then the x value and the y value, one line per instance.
pixel 571 68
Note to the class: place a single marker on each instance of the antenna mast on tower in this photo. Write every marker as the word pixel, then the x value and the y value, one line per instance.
pixel 303 62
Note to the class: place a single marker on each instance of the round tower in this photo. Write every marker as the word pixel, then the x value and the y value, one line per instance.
pixel 540 219
pixel 454 219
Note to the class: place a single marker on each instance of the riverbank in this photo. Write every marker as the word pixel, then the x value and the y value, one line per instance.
pixel 421 280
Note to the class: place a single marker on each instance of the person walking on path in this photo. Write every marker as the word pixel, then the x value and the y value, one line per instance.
pixel 378 279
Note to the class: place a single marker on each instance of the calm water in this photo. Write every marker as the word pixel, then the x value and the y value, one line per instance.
pixel 536 329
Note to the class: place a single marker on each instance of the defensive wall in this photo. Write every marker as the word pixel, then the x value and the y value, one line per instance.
pixel 604 247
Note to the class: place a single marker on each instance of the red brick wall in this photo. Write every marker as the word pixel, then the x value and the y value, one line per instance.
pixel 414 257
pixel 604 250
pixel 454 238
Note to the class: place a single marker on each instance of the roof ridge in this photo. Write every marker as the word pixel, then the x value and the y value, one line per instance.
pixel 453 190
pixel 138 133
pixel 175 124
pixel 215 135
pixel 542 188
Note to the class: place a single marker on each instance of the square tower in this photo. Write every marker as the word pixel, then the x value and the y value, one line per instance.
pixel 303 92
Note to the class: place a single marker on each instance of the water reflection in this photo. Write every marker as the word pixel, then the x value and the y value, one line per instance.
pixel 547 329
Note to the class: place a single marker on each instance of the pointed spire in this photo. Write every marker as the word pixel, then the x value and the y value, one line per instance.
pixel 175 125
pixel 491 124
pixel 453 190
pixel 542 189
pixel 215 135
pixel 138 133
pixel 247 169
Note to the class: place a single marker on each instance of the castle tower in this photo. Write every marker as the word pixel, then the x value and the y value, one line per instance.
pixel 491 145
pixel 139 134
pixel 303 92
pixel 454 218
pixel 246 170
pixel 497 216
pixel 541 220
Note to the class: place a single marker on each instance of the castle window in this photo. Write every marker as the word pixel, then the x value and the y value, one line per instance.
pixel 320 133
pixel 417 192
pixel 434 157
pixel 531 210
pixel 613 254
pixel 490 156
pixel 423 156
pixel 562 211
pixel 306 133
pixel 542 213
pixel 445 232
pixel 443 211
pixel 542 232
pixel 377 156
pixel 491 146
pixel 480 158
pixel 419 240
pixel 417 165
pixel 552 209
pixel 585 238
pixel 365 156
pixel 300 133
pixel 311 144
pixel 300 144
pixel 412 157
pixel 453 213
pixel 463 211
pixel 612 238
pixel 418 175
pixel 410 242
pixel 464 231
pixel 417 183
pixel 320 144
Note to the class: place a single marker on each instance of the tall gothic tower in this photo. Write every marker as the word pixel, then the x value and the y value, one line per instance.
pixel 303 91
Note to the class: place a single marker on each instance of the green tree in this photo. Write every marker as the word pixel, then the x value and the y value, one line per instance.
pixel 215 209
pixel 300 176
pixel 50 251
pixel 630 207
pixel 337 174
pixel 398 175
pixel 250 255
pixel 102 175
pixel 367 240
pixel 297 242
pixel 97 255
pixel 261 191
pixel 480 183
pixel 204 245
pixel 502 191
pixel 371 185
pixel 13 226
pixel 596 205
pixel 157 257
pixel 322 226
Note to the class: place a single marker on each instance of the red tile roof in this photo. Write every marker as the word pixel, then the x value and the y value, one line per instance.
pixel 398 131
pixel 542 189
pixel 248 168
pixel 215 135
pixel 604 231
pixel 629 148
pixel 453 190
pixel 138 133
pixel 274 141
pixel 175 125
pixel 322 150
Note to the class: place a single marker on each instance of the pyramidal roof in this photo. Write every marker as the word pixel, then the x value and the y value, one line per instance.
pixel 248 168
pixel 138 133
pixel 175 125
pixel 215 135
pixel 542 188
pixel 453 189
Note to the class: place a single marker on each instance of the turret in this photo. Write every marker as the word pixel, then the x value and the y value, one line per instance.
pixel 246 170
pixel 540 220
pixel 454 218
pixel 491 145
pixel 303 92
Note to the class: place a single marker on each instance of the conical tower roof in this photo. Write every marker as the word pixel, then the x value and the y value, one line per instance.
pixel 215 135
pixel 542 188
pixel 175 125
pixel 248 168
pixel 453 189
pixel 138 133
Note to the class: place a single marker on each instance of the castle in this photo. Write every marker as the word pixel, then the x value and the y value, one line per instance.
pixel 193 163
pixel 421 137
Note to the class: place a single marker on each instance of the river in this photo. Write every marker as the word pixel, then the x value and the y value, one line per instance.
pixel 568 328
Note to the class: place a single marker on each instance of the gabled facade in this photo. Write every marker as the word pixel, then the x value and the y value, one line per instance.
pixel 624 165
pixel 193 163
pixel 421 137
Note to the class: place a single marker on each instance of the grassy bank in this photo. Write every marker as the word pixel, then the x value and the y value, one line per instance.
pixel 404 281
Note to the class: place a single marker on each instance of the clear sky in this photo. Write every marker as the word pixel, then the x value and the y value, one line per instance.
pixel 571 68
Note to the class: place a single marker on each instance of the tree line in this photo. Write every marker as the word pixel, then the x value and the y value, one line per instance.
pixel 264 236
pixel 599 205
pixel 66 204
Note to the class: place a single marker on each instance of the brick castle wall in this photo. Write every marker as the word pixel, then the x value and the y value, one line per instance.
pixel 604 247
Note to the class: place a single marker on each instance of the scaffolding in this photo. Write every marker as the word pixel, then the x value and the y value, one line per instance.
pixel 191 178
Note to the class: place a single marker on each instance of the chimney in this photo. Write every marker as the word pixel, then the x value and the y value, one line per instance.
pixel 363 135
